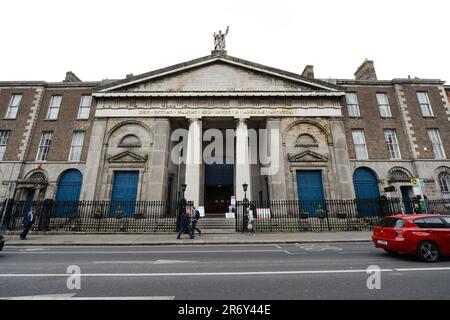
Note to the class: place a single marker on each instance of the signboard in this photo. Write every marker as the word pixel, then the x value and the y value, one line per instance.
pixel 262 213
pixel 201 210
pixel 415 182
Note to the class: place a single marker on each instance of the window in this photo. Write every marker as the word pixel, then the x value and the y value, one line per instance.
pixel 352 105
pixel 444 183
pixel 53 109
pixel 424 103
pixel 13 108
pixel 392 223
pixel 383 105
pixel 392 143
pixel 44 145
pixel 76 146
pixel 85 107
pixel 435 140
pixel 360 144
pixel 4 137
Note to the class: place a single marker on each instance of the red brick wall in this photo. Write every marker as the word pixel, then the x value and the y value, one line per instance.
pixel 16 126
pixel 64 126
pixel 420 123
pixel 372 123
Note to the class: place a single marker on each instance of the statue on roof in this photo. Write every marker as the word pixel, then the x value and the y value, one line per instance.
pixel 219 39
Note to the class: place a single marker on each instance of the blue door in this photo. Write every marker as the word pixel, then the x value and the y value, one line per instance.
pixel 310 191
pixel 68 193
pixel 123 198
pixel 367 192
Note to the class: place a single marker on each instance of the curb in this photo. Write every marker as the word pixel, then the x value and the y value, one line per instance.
pixel 169 243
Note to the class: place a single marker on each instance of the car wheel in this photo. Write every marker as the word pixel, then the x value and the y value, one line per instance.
pixel 428 251
pixel 391 252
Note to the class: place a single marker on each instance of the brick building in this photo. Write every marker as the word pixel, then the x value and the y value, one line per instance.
pixel 338 138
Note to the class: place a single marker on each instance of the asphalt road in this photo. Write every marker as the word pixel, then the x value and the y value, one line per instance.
pixel 273 272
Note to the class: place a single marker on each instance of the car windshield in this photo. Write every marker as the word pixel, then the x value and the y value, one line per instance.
pixel 392 223
pixel 447 219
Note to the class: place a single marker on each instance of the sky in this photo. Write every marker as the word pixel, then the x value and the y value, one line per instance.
pixel 107 39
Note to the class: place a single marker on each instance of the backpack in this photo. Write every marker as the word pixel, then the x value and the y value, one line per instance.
pixel 197 215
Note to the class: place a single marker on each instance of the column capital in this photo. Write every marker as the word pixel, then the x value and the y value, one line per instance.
pixel 238 120
pixel 194 119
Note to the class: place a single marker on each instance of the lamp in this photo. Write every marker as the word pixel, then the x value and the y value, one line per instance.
pixel 244 186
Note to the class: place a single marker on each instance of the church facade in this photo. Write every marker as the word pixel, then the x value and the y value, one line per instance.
pixel 222 117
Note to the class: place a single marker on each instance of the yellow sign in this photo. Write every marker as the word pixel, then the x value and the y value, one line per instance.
pixel 415 182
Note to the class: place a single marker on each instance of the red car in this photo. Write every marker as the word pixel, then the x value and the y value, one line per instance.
pixel 424 235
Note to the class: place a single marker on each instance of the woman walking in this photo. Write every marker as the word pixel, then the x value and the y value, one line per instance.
pixel 250 221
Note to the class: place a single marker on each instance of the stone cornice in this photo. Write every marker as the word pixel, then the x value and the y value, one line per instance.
pixel 221 94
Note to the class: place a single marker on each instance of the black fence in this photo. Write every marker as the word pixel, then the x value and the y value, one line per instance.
pixel 96 216
pixel 326 215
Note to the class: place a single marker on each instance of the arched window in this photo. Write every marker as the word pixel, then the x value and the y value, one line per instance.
pixel 444 183
pixel 130 141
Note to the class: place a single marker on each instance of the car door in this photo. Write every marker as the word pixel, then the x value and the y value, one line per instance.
pixel 439 233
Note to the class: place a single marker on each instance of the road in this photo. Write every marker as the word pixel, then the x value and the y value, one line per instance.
pixel 218 272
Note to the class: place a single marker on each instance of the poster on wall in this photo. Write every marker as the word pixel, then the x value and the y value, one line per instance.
pixel 201 210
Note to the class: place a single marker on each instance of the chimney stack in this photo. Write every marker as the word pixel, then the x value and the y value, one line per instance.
pixel 366 71
pixel 308 71
pixel 71 77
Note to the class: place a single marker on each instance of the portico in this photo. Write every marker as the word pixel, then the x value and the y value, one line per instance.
pixel 240 122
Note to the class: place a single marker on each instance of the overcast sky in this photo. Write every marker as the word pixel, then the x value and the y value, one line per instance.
pixel 99 39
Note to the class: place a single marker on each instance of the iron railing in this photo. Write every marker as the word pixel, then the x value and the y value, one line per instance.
pixel 96 216
pixel 326 215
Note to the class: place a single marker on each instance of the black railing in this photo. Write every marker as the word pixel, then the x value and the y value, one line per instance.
pixel 96 216
pixel 326 215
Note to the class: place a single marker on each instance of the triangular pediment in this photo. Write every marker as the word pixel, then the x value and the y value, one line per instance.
pixel 128 156
pixel 218 73
pixel 307 156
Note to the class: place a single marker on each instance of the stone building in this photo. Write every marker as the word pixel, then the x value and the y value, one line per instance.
pixel 114 140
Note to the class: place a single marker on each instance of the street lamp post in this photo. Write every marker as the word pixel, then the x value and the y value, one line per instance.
pixel 244 207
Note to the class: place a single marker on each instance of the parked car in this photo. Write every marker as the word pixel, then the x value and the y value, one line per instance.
pixel 424 235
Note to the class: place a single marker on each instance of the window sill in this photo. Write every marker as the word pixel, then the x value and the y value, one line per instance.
pixel 50 120
pixel 429 117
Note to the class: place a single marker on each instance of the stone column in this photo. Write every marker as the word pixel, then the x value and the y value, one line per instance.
pixel 93 161
pixel 194 161
pixel 344 176
pixel 276 168
pixel 157 182
pixel 242 160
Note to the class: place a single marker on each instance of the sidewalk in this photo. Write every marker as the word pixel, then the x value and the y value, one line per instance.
pixel 120 239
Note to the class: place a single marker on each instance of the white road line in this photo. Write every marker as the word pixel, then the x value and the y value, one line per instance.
pixel 294 253
pixel 423 269
pixel 140 252
pixel 184 274
pixel 142 262
pixel 70 296
pixel 277 246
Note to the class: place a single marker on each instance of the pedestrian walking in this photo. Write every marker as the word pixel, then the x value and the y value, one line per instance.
pixel 27 222
pixel 194 220
pixel 250 221
pixel 184 225
pixel 416 209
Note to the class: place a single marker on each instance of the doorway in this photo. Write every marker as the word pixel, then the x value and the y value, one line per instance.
pixel 219 187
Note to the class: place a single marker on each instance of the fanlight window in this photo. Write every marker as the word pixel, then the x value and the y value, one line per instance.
pixel 38 177
pixel 130 141
pixel 399 175
pixel 306 140
pixel 444 183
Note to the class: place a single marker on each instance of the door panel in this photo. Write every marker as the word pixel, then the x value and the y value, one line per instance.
pixel 123 198
pixel 310 190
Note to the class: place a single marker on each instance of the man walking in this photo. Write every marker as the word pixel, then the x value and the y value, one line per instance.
pixel 184 226
pixel 194 220
pixel 28 221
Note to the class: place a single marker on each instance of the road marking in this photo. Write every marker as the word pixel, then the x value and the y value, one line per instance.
pixel 143 262
pixel 158 252
pixel 277 246
pixel 318 247
pixel 32 249
pixel 70 296
pixel 423 269
pixel 184 274
pixel 294 253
